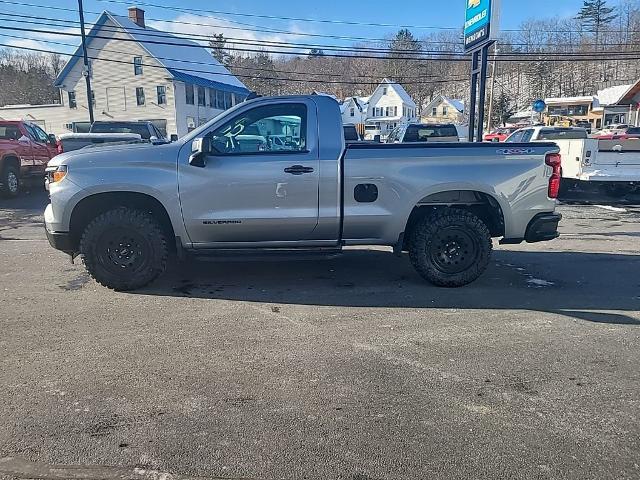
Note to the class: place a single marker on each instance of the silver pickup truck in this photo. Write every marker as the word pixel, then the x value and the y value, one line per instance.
pixel 229 188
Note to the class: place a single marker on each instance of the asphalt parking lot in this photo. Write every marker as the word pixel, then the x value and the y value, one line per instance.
pixel 351 368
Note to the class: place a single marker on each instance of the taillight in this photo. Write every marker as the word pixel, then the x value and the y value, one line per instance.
pixel 554 160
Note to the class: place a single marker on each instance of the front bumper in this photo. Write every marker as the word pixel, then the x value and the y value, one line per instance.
pixel 61 241
pixel 543 227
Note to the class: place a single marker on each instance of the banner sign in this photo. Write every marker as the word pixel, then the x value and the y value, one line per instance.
pixel 481 23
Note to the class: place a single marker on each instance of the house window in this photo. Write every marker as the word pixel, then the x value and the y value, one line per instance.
pixel 212 98
pixel 72 99
pixel 137 65
pixel 227 100
pixel 352 112
pixel 190 99
pixel 219 100
pixel 384 91
pixel 445 110
pixel 161 90
pixel 202 98
pixel 140 96
pixel 434 112
pixel 395 111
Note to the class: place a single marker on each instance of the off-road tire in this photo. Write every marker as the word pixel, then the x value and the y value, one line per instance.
pixel 10 180
pixel 450 248
pixel 124 249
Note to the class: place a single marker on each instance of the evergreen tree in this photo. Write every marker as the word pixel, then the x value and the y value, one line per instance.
pixel 217 45
pixel 595 15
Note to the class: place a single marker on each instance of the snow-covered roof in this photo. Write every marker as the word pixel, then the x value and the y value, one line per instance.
pixel 523 114
pixel 612 95
pixel 399 89
pixel 185 60
pixel 562 100
pixel 457 104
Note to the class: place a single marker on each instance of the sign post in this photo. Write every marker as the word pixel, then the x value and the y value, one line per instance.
pixel 480 32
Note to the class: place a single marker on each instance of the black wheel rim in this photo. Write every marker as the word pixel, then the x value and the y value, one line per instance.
pixel 123 251
pixel 453 250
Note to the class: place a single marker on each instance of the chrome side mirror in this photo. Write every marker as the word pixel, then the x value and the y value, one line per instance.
pixel 24 140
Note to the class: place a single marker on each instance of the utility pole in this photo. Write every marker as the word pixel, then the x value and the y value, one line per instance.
pixel 493 86
pixel 86 71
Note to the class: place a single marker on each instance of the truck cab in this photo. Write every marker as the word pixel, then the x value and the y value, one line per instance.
pixel 25 151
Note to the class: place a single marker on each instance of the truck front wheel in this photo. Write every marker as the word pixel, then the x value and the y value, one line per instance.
pixel 450 248
pixel 10 180
pixel 124 249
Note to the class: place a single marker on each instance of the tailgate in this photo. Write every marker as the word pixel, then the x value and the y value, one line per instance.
pixel 618 152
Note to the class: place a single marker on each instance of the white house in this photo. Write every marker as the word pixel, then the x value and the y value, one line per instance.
pixel 389 106
pixel 137 73
pixel 354 110
pixel 443 109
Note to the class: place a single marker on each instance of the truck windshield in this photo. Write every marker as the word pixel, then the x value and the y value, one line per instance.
pixel 562 134
pixel 141 129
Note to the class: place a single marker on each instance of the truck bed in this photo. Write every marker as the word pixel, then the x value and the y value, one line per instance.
pixel 383 182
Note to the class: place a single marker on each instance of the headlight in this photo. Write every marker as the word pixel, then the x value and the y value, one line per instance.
pixel 55 174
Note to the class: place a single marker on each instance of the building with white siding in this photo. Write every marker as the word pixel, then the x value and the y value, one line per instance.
pixel 137 73
pixel 389 106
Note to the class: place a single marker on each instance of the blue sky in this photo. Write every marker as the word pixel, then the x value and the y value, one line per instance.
pixel 424 13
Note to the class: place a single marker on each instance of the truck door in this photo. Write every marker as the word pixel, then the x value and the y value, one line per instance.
pixel 252 188
pixel 40 147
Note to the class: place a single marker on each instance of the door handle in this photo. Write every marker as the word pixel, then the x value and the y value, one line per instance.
pixel 298 170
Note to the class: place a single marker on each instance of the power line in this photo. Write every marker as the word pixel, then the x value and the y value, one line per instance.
pixel 189 70
pixel 317 35
pixel 280 17
pixel 403 56
pixel 240 67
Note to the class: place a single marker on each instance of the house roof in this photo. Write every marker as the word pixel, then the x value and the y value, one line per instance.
pixel 182 58
pixel 399 89
pixel 612 95
pixel 457 104
pixel 563 100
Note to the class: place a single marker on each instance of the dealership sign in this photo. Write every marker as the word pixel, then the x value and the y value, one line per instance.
pixel 481 23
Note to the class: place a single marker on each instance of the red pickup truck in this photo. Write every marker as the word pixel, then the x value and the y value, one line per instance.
pixel 25 150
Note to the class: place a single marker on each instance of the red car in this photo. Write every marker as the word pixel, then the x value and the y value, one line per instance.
pixel 499 134
pixel 631 133
pixel 25 150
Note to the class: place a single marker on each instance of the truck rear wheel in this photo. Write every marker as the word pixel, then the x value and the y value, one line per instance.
pixel 10 180
pixel 124 249
pixel 450 248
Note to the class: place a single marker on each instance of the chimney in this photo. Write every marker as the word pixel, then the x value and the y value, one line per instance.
pixel 136 15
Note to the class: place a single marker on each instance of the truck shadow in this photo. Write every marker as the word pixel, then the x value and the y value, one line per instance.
pixel 579 285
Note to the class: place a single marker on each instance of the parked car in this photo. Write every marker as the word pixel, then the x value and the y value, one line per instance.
pixel 612 164
pixel 541 132
pixel 25 150
pixel 424 132
pixel 351 133
pixel 584 124
pixel 206 195
pixel 628 134
pixel 68 142
pixel 499 134
pixel 146 130
pixel 615 128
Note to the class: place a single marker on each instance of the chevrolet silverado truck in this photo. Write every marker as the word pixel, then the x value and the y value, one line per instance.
pixel 25 150
pixel 125 209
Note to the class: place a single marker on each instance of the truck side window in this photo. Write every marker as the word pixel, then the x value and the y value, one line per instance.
pixel 526 136
pixel 270 129
pixel 516 136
